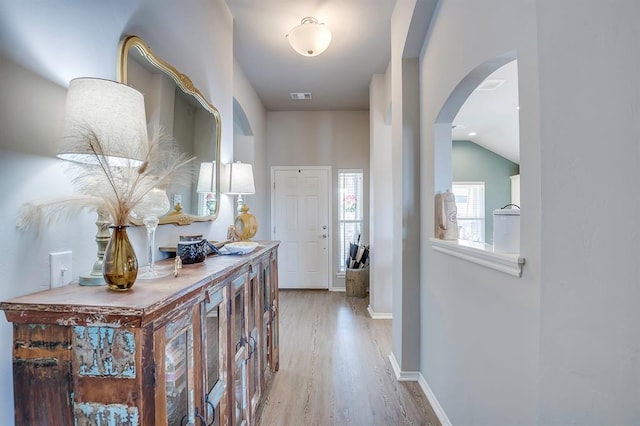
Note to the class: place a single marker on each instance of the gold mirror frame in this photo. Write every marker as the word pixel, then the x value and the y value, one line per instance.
pixel 176 217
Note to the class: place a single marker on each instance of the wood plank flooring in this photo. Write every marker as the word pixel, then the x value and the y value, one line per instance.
pixel 335 368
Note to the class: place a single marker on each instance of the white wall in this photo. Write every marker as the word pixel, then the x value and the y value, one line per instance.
pixel 405 129
pixel 322 138
pixel 559 345
pixel 252 149
pixel 411 243
pixel 590 155
pixel 380 229
pixel 479 327
pixel 61 42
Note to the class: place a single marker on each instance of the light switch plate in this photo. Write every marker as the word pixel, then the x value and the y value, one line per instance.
pixel 60 271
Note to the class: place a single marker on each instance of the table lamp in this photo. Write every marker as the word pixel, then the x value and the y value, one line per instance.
pixel 115 113
pixel 240 179
pixel 206 187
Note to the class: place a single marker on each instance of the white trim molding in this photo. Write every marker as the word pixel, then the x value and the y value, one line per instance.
pixel 338 289
pixel 403 376
pixel 435 404
pixel 416 376
pixel 482 254
pixel 378 315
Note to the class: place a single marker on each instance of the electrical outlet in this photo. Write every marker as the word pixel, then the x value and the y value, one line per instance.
pixel 60 271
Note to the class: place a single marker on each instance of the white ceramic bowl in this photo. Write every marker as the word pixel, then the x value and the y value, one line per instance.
pixel 241 247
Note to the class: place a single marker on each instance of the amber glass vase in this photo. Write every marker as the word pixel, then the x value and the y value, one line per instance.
pixel 120 266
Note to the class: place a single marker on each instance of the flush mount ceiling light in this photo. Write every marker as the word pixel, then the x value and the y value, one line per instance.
pixel 310 38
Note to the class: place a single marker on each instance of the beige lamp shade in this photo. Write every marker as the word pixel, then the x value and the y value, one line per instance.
pixel 240 179
pixel 207 177
pixel 113 112
pixel 310 38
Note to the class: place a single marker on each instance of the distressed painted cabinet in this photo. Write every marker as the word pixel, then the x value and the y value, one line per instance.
pixel 198 349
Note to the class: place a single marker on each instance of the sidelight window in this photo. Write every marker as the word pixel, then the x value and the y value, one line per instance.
pixel 350 211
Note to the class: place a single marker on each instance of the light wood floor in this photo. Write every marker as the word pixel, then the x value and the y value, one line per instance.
pixel 335 369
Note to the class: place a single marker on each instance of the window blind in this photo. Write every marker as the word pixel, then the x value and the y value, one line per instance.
pixel 470 206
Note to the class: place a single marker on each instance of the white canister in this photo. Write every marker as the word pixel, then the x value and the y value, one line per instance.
pixel 506 230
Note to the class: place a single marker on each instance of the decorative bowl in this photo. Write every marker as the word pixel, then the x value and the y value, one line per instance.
pixel 241 247
pixel 195 251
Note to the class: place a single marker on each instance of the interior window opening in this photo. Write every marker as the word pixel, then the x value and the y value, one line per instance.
pixel 477 147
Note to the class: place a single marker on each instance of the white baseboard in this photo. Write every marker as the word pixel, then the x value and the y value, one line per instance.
pixel 378 315
pixel 338 289
pixel 403 376
pixel 394 365
pixel 437 408
pixel 416 376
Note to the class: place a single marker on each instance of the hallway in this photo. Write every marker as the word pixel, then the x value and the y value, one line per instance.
pixel 335 368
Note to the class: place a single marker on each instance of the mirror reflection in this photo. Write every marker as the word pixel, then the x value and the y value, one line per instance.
pixel 186 115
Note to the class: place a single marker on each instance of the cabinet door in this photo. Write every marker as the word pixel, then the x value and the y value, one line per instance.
pixel 215 357
pixel 176 369
pixel 240 392
pixel 265 330
pixel 275 314
pixel 253 321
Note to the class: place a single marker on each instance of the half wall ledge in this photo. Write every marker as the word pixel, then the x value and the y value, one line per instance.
pixel 482 254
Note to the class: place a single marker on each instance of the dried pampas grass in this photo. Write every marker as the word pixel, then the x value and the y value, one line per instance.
pixel 37 214
pixel 116 184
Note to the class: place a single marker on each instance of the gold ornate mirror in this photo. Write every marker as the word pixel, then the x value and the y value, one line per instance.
pixel 185 113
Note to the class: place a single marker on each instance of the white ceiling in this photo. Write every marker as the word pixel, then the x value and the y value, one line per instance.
pixel 339 78
pixel 493 115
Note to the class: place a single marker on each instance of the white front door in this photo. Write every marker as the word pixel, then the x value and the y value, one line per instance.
pixel 300 221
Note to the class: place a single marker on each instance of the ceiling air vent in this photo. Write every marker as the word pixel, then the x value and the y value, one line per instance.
pixel 490 84
pixel 301 96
